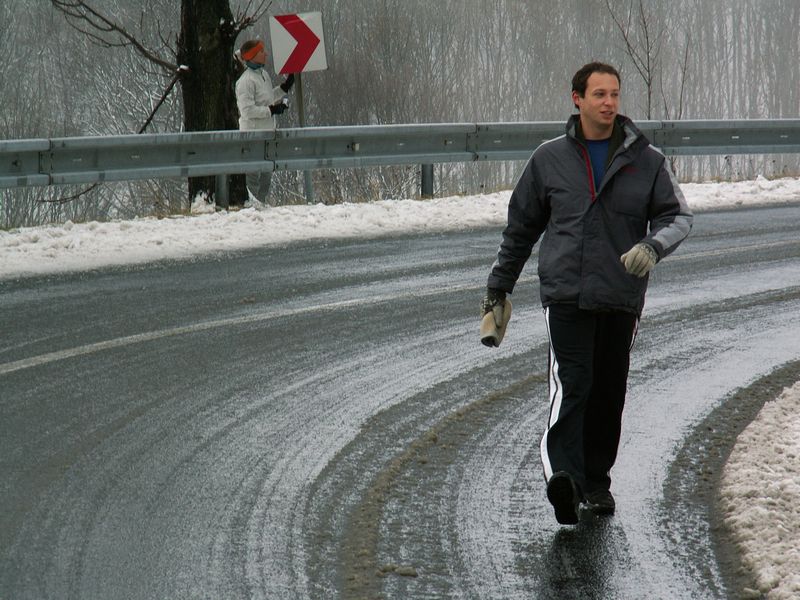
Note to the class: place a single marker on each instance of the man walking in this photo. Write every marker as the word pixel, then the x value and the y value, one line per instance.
pixel 607 208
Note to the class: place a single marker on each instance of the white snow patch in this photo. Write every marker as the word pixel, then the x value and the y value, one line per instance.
pixel 761 496
pixel 41 250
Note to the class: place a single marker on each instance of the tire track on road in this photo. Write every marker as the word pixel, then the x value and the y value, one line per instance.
pixel 492 530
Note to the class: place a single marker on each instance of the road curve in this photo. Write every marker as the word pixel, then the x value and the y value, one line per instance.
pixel 318 421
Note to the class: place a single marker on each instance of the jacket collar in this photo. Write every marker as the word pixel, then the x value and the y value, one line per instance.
pixel 629 132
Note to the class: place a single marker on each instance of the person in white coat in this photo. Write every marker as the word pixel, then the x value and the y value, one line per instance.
pixel 259 103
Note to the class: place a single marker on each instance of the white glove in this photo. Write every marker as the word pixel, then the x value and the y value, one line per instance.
pixel 639 259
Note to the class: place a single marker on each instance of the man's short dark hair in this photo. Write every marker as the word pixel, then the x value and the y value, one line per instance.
pixel 582 76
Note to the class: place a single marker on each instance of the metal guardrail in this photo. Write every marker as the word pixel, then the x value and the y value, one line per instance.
pixel 56 161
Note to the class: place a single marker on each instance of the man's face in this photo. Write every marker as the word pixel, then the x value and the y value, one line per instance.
pixel 600 104
pixel 261 57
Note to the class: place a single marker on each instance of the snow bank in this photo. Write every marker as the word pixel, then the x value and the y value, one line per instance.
pixel 761 497
pixel 69 247
pixel 41 250
pixel 742 193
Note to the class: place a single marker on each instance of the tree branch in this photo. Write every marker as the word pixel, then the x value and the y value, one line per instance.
pixel 161 100
pixel 248 16
pixel 65 199
pixel 101 27
pixel 630 48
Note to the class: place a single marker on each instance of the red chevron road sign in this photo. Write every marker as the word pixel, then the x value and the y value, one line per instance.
pixel 298 44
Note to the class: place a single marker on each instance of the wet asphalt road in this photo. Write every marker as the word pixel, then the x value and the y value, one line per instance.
pixel 319 421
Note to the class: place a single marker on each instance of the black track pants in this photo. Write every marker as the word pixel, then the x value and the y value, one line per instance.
pixel 588 369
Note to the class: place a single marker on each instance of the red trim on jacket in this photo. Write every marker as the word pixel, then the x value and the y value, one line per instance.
pixel 589 170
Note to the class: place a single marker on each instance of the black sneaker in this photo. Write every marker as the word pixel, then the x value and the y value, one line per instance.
pixel 600 502
pixel 563 495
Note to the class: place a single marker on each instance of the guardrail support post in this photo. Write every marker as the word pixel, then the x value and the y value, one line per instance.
pixel 222 196
pixel 427 181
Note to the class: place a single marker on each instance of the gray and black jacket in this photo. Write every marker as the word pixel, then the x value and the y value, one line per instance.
pixel 587 229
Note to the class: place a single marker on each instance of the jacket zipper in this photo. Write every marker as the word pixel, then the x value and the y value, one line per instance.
pixel 589 170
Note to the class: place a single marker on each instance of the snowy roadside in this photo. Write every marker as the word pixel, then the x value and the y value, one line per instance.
pixel 72 246
pixel 762 503
pixel 82 246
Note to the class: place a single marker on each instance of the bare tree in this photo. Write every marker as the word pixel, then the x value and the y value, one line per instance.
pixel 683 67
pixel 642 38
pixel 200 56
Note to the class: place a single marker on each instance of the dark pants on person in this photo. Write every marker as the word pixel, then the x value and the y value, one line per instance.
pixel 588 370
pixel 258 184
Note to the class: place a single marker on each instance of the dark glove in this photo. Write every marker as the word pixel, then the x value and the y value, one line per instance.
pixel 287 85
pixel 495 314
pixel 277 108
pixel 639 259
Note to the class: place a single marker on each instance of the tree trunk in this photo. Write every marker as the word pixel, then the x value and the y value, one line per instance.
pixel 205 46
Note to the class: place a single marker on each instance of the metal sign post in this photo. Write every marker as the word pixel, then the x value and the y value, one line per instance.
pixel 308 186
pixel 298 45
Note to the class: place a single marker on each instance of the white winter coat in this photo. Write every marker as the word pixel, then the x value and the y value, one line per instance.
pixel 254 94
